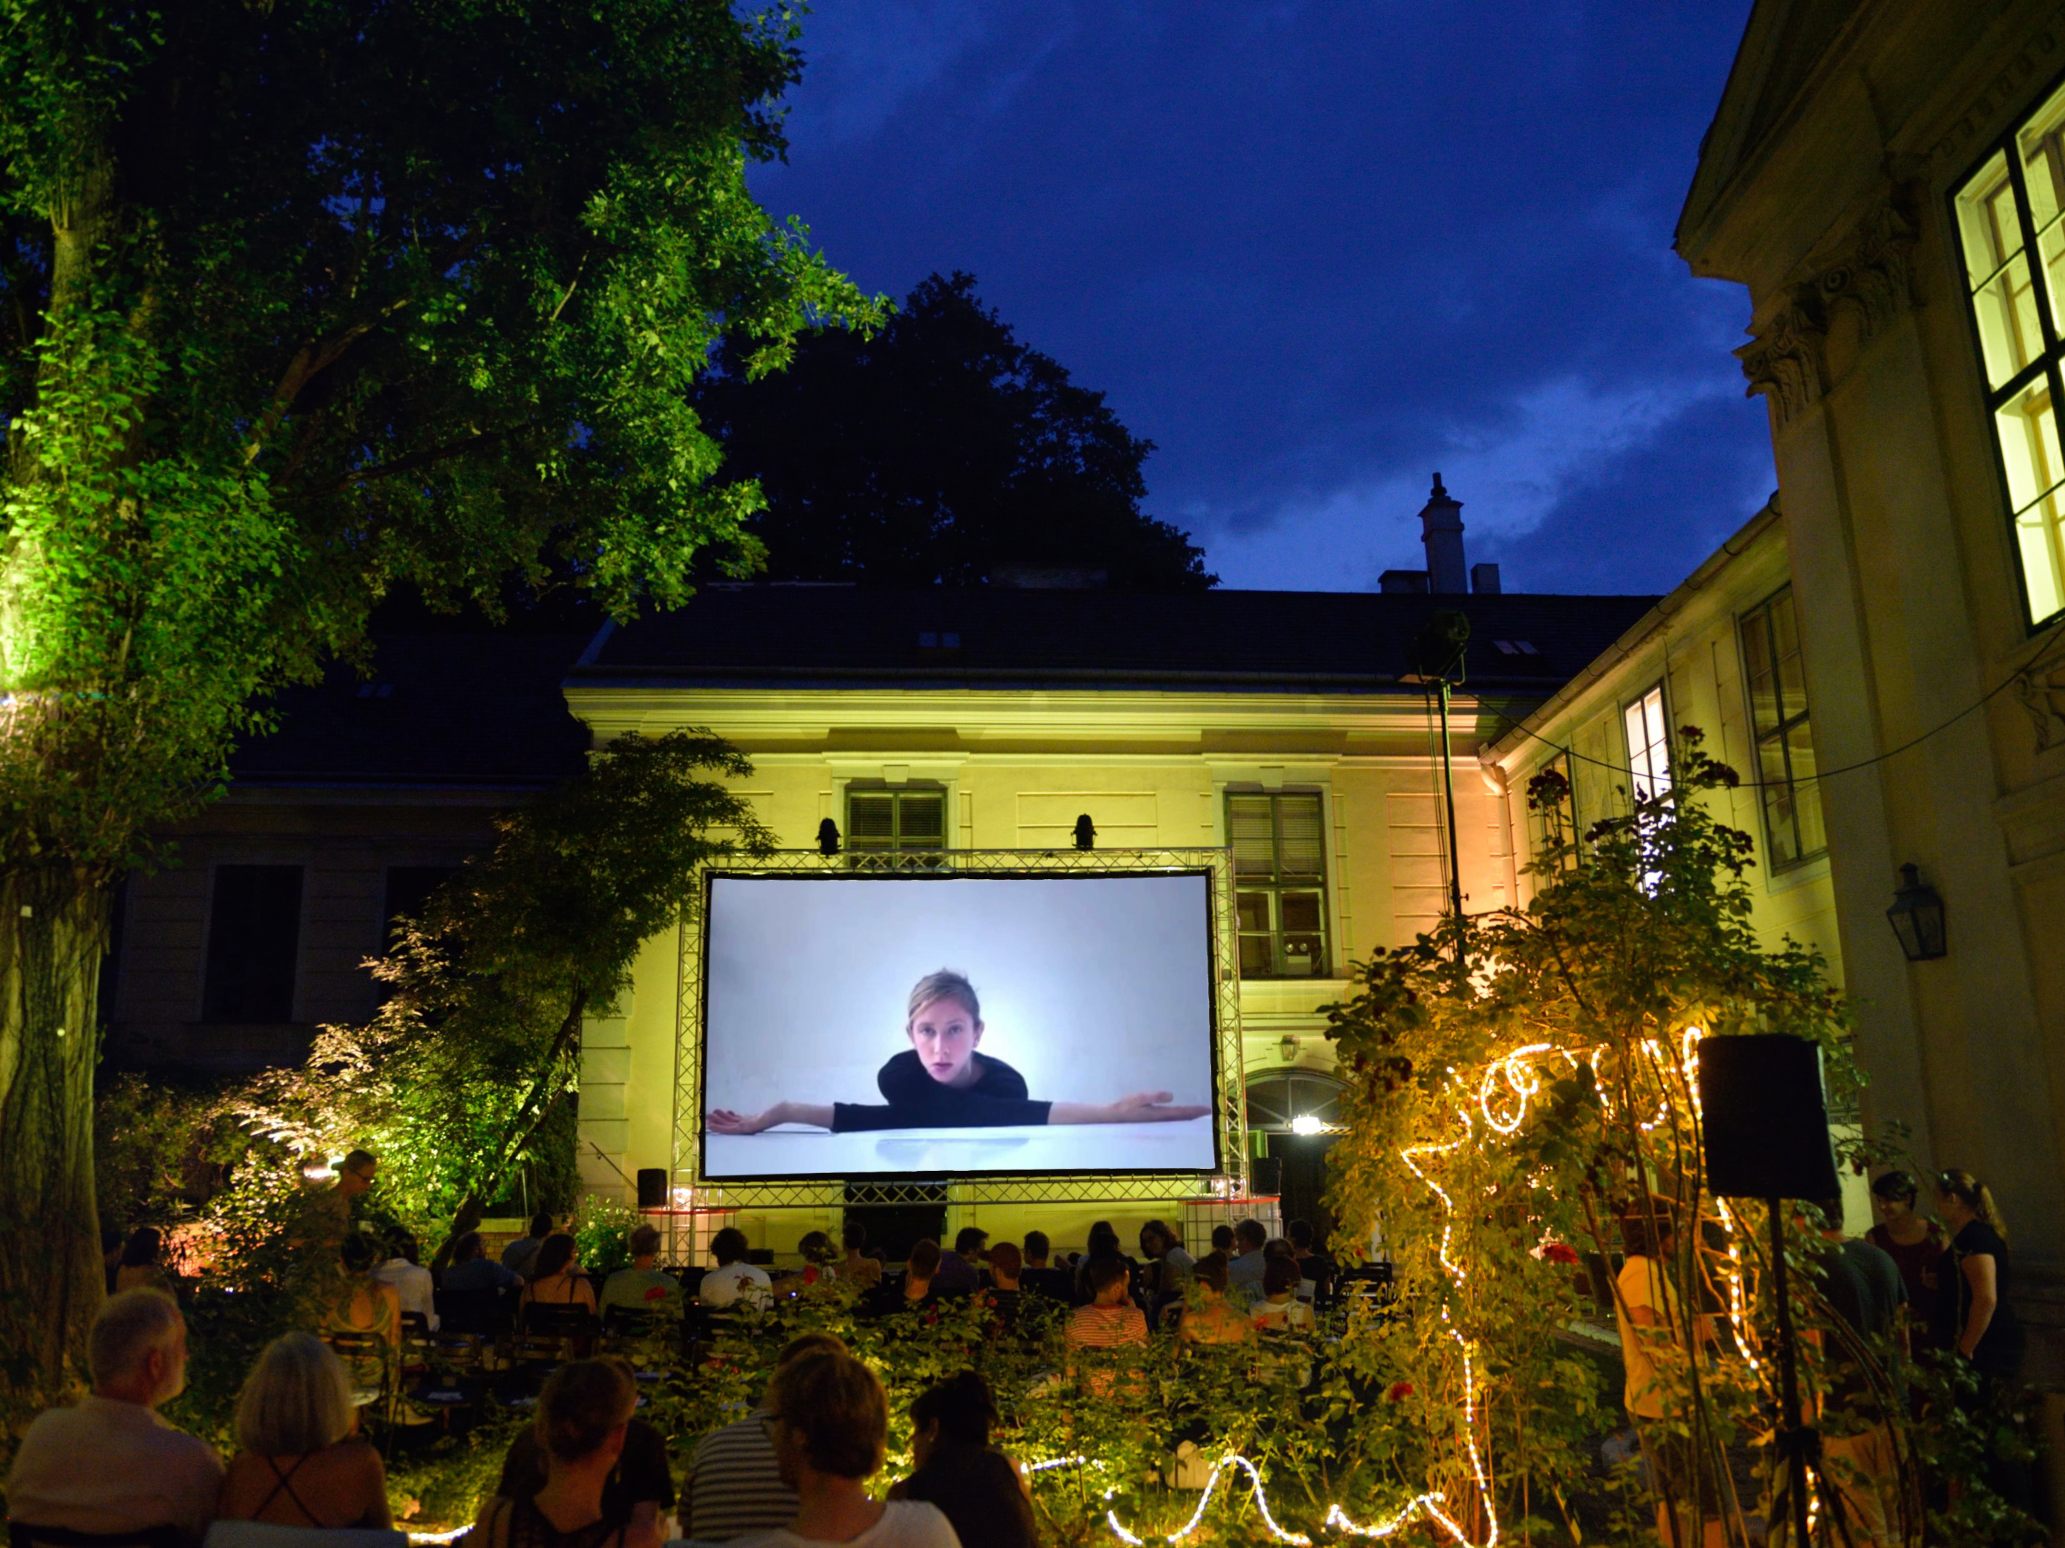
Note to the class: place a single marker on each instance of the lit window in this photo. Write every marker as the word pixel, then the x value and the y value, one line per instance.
pixel 2012 232
pixel 254 940
pixel 1777 690
pixel 1649 743
pixel 1279 882
pixel 895 821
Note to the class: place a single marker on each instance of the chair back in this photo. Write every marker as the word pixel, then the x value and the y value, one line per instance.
pixel 484 1312
pixel 263 1534
pixel 27 1534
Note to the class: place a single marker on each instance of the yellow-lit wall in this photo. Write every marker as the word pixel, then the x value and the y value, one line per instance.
pixel 1151 768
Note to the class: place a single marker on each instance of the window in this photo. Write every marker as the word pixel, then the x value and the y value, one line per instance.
pixel 408 889
pixel 254 935
pixel 895 821
pixel 1279 884
pixel 2012 233
pixel 1777 690
pixel 1649 743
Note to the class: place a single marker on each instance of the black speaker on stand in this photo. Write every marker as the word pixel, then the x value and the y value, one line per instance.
pixel 1764 1134
pixel 1265 1177
pixel 652 1187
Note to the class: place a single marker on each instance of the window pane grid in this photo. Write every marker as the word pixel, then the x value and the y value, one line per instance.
pixel 2010 216
pixel 1279 863
pixel 1780 728
pixel 1649 744
pixel 893 821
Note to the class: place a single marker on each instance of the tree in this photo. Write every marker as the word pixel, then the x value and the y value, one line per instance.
pixel 479 1038
pixel 299 304
pixel 937 450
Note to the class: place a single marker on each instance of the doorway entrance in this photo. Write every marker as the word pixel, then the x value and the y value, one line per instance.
pixel 1295 1111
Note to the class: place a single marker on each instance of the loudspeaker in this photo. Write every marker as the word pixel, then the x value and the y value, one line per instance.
pixel 1265 1177
pixel 1764 1118
pixel 652 1187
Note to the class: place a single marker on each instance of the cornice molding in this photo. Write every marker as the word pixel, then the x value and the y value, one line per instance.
pixel 2026 69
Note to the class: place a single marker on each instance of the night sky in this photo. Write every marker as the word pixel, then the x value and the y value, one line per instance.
pixel 1315 252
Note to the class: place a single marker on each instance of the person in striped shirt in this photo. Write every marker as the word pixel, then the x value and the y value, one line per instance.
pixel 734 1484
pixel 1110 1321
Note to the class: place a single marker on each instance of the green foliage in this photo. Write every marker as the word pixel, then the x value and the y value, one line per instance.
pixel 460 1074
pixel 941 448
pixel 602 1239
pixel 1567 1025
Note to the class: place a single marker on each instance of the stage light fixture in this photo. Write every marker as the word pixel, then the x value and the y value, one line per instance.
pixel 828 837
pixel 1305 1123
pixel 1086 832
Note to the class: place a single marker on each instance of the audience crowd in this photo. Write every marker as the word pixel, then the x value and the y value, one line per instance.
pixel 801 1466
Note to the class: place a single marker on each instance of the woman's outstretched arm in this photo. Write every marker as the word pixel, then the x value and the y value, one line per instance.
pixel 817 1114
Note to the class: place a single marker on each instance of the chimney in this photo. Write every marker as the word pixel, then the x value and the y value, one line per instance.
pixel 1441 529
pixel 1484 579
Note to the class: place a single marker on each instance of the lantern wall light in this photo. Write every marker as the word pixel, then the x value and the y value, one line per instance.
pixel 1917 917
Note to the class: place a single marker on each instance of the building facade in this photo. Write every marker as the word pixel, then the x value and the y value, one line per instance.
pixel 1886 182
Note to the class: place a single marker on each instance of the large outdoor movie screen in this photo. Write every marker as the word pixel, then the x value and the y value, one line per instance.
pixel 945 1026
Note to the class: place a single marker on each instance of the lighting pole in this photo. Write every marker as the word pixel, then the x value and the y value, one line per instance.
pixel 1438 653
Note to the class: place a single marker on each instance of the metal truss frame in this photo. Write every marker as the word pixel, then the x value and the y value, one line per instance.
pixel 821 1193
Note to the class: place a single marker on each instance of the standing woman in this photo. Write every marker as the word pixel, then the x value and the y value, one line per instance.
pixel 1916 1244
pixel 1973 1317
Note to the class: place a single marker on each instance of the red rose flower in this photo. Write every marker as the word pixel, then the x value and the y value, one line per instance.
pixel 1398 1391
pixel 1560 1252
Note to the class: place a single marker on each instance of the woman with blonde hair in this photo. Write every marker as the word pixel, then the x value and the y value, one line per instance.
pixel 583 1415
pixel 1972 1311
pixel 298 1462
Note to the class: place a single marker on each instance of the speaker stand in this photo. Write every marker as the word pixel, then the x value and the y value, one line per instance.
pixel 1799 1444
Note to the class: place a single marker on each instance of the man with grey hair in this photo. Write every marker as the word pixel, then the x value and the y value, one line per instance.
pixel 109 1463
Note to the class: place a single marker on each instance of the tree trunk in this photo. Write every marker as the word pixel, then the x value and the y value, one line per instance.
pixel 53 933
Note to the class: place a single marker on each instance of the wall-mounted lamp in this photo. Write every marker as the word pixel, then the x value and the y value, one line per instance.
pixel 1917 917
pixel 828 837
pixel 1288 1047
pixel 1086 832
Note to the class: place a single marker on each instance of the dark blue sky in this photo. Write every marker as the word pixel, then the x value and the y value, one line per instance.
pixel 1315 252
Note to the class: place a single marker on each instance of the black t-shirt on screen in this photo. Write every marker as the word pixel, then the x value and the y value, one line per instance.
pixel 914 1100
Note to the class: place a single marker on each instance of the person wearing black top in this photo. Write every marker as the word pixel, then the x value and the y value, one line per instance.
pixel 1040 1278
pixel 942 1082
pixel 1973 1316
pixel 976 1487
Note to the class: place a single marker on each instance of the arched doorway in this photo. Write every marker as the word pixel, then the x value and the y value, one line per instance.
pixel 1296 1112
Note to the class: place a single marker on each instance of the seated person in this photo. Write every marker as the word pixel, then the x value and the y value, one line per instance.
pixel 1244 1273
pixel 733 1281
pixel 1207 1316
pixel 819 1259
pixel 1004 1293
pixel 982 1492
pixel 364 1304
pixel 518 1256
pixel 941 1081
pixel 857 1268
pixel 1103 1243
pixel 1280 1310
pixel 1040 1277
pixel 108 1463
pixel 639 1489
pixel 644 1286
pixel 142 1266
pixel 1168 1267
pixel 299 1461
pixel 734 1484
pixel 473 1270
pixel 555 1278
pixel 411 1281
pixel 1222 1241
pixel 1320 1268
pixel 831 1427
pixel 584 1415
pixel 960 1272
pixel 1109 1321
pixel 921 1272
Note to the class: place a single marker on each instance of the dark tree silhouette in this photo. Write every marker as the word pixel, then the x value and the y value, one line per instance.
pixel 939 450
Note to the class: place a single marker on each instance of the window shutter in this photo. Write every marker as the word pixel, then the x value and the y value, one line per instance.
pixel 1304 838
pixel 871 821
pixel 1252 829
pixel 921 820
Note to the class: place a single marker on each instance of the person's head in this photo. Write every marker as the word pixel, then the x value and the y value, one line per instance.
pixel 1300 1233
pixel 1156 1239
pixel 137 1349
pixel 1104 1241
pixel 358 1253
pixel 401 1244
pixel 582 1413
pixel 830 1418
pixel 853 1235
pixel 141 1250
pixel 542 1224
pixel 813 1342
pixel 728 1246
pixel 554 1256
pixel 969 1242
pixel 1649 1232
pixel 1222 1239
pixel 959 1411
pixel 816 1247
pixel 1893 1196
pixel 924 1260
pixel 645 1245
pixel 1211 1271
pixel 1106 1276
pixel 1961 1197
pixel 1249 1236
pixel 1830 1210
pixel 944 1025
pixel 1005 1265
pixel 468 1247
pixel 356 1173
pixel 1036 1249
pixel 1280 1277
pixel 296 1400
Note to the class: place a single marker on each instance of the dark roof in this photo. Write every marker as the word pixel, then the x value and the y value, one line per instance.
pixel 843 636
pixel 465 708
